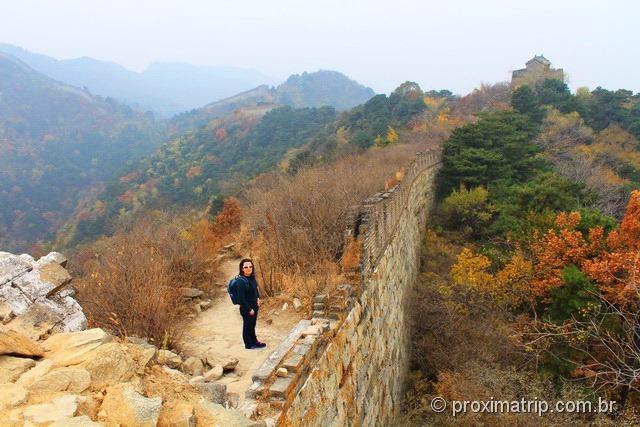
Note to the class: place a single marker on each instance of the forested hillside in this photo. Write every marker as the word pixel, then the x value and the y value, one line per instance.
pixel 318 89
pixel 56 143
pixel 198 169
pixel 529 285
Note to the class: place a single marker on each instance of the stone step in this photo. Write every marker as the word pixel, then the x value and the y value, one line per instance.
pixel 273 360
pixel 281 387
pixel 322 298
pixel 293 362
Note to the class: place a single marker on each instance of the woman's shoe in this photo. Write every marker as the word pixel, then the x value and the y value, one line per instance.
pixel 259 344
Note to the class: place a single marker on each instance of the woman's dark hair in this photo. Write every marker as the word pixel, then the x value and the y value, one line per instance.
pixel 252 270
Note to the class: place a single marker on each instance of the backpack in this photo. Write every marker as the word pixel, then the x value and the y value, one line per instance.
pixel 232 288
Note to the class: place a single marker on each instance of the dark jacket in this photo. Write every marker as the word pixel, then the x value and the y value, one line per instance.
pixel 248 293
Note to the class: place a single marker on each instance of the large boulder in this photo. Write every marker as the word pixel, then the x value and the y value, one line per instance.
pixel 12 367
pixel 73 348
pixel 32 375
pixel 12 395
pixel 14 343
pixel 60 409
pixel 124 405
pixel 72 379
pixel 109 364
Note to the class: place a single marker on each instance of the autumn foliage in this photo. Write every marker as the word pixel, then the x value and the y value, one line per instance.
pixel 612 262
pixel 131 281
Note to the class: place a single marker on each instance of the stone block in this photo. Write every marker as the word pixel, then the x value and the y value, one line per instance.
pixel 72 379
pixel 302 349
pixel 55 257
pixel 54 273
pixel 40 369
pixel 37 321
pixel 293 362
pixel 229 364
pixel 281 387
pixel 109 364
pixel 6 312
pixel 178 415
pixel 322 298
pixel 11 267
pixel 255 390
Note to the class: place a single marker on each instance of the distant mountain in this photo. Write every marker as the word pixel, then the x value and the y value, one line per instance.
pixel 165 88
pixel 318 89
pixel 56 143
pixel 322 88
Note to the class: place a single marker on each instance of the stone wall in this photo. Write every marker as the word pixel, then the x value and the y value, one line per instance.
pixel 358 377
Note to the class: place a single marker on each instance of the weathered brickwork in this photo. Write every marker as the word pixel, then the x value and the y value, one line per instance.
pixel 359 377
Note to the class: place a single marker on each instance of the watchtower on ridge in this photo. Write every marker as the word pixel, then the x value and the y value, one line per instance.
pixel 537 69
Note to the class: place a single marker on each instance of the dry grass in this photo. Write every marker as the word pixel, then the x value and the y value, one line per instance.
pixel 298 222
pixel 131 286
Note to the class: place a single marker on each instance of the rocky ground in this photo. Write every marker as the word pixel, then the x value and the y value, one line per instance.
pixel 215 336
pixel 55 372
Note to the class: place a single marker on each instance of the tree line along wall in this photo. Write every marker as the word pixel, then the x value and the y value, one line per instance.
pixel 359 378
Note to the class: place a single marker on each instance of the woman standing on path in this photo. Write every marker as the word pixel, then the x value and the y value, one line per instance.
pixel 249 301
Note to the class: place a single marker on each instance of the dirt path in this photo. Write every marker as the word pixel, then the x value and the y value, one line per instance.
pixel 220 329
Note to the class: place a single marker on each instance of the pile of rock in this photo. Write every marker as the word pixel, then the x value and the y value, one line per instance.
pixel 35 299
pixel 54 372
pixel 89 378
pixel 201 373
pixel 195 299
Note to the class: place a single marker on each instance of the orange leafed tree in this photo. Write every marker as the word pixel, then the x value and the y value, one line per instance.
pixel 613 263
pixel 561 247
pixel 617 270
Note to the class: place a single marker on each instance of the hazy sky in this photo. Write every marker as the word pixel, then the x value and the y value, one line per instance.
pixel 452 44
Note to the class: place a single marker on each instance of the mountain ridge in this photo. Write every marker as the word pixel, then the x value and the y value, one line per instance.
pixel 197 86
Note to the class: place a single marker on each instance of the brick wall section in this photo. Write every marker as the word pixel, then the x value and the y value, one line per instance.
pixel 359 377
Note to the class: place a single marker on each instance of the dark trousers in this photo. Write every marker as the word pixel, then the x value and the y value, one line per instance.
pixel 249 327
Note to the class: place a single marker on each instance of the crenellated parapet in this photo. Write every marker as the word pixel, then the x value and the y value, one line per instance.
pixel 375 221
